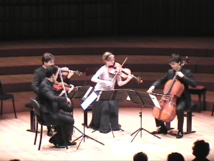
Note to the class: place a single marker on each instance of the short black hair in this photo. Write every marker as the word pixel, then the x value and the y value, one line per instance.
pixel 175 58
pixel 200 148
pixel 50 70
pixel 140 156
pixel 47 57
pixel 175 156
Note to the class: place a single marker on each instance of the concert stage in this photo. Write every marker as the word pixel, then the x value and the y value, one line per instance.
pixel 17 143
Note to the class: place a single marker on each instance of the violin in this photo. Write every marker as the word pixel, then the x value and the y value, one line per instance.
pixel 58 86
pixel 173 89
pixel 123 72
pixel 66 71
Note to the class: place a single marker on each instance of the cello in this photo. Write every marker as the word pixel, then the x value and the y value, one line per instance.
pixel 173 89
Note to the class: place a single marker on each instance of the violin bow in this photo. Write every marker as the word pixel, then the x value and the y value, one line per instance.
pixel 63 86
pixel 119 71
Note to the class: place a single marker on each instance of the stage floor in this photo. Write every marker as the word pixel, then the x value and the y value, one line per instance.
pixel 16 142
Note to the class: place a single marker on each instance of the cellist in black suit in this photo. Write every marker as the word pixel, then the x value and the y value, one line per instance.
pixel 185 77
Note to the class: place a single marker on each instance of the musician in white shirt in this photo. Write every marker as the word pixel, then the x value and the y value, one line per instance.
pixel 105 114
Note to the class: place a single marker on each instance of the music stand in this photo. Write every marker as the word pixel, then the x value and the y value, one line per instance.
pixel 82 93
pixel 141 98
pixel 113 95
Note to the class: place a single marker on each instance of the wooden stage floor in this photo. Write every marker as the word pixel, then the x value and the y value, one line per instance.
pixel 16 142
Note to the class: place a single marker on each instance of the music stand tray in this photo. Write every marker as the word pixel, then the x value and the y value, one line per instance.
pixel 81 93
pixel 113 95
pixel 143 99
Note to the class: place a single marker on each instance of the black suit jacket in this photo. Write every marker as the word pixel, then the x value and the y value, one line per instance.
pixel 39 76
pixel 187 80
pixel 48 99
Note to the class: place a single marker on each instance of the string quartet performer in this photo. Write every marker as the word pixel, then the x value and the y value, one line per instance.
pixel 105 113
pixel 48 59
pixel 51 105
pixel 185 78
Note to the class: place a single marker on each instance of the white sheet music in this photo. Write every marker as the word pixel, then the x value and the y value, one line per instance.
pixel 93 96
pixel 87 93
pixel 155 101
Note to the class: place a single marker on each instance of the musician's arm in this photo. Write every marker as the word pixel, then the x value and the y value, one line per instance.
pixel 96 77
pixel 162 81
pixel 189 79
pixel 121 82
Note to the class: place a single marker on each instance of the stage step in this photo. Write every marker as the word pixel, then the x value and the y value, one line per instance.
pixel 130 45
pixel 21 98
pixel 20 83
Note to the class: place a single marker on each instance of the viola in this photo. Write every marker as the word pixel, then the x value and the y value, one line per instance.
pixel 173 89
pixel 123 72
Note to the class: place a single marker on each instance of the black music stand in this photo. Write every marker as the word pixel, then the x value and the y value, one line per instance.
pixel 141 98
pixel 113 95
pixel 80 93
pixel 83 91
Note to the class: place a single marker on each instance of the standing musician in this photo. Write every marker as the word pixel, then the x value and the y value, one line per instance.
pixel 185 77
pixel 51 105
pixel 39 76
pixel 105 114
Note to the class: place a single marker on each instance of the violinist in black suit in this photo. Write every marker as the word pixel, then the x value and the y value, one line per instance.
pixel 51 104
pixel 185 77
pixel 39 75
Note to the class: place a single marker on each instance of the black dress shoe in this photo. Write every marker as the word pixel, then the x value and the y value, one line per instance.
pixel 180 134
pixel 71 143
pixel 160 131
pixel 59 145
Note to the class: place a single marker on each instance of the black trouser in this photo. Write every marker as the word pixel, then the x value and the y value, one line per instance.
pixel 180 116
pixel 65 119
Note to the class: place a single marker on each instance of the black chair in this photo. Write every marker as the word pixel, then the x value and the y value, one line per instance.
pixel 188 115
pixel 6 96
pixel 200 91
pixel 39 120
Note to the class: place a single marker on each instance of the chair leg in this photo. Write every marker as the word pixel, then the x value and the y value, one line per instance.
pixel 189 123
pixel 36 133
pixel 212 110
pixel 200 104
pixel 14 108
pixel 40 141
pixel 1 106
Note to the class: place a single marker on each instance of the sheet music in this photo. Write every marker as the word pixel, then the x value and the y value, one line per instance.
pixel 88 101
pixel 155 101
pixel 87 93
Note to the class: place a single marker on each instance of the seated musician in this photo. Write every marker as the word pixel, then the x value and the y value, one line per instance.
pixel 185 77
pixel 105 114
pixel 39 75
pixel 51 105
